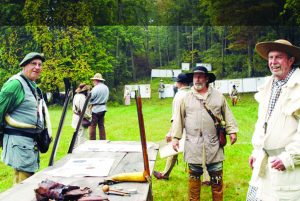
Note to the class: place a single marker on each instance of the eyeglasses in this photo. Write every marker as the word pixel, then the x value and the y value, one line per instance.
pixel 34 63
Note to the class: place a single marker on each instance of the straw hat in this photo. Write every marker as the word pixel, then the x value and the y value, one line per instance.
pixel 98 76
pixel 31 56
pixel 82 87
pixel 282 45
pixel 202 69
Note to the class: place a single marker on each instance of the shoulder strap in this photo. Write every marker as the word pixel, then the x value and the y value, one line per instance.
pixel 32 90
pixel 211 114
pixel 77 110
pixel 39 92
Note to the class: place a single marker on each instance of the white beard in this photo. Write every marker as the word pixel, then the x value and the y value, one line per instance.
pixel 199 86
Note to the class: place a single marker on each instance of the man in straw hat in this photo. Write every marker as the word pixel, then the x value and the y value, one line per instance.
pixel 276 139
pixel 99 97
pixel 202 146
pixel 19 101
pixel 78 104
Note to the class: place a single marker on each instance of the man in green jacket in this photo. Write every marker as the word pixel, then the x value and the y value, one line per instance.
pixel 21 119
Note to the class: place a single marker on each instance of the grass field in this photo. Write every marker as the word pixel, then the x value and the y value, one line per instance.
pixel 122 124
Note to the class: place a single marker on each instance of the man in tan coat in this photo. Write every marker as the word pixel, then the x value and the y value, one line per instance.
pixel 276 139
pixel 182 83
pixel 202 144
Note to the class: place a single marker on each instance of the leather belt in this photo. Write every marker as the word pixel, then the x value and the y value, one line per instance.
pixel 99 104
pixel 11 131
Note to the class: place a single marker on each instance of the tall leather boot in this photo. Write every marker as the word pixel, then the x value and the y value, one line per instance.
pixel 92 132
pixel 216 180
pixel 194 188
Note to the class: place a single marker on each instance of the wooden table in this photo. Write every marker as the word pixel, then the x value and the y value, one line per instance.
pixel 124 161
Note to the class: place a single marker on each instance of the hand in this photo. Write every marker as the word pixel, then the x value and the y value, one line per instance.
pixel 233 138
pixel 278 164
pixel 175 144
pixel 168 137
pixel 251 161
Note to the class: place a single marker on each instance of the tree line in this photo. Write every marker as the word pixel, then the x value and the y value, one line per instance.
pixel 125 39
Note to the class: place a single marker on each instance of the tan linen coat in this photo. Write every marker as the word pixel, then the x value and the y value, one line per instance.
pixel 282 134
pixel 200 129
pixel 78 102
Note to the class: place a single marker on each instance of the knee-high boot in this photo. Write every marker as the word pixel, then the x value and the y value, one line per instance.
pixel 216 179
pixel 194 188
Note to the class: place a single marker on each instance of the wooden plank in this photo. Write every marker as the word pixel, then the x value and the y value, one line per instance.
pixel 124 162
pixel 132 162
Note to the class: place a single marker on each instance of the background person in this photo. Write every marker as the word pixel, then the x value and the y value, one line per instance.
pixel 19 105
pixel 78 104
pixel 234 95
pixel 99 97
pixel 127 96
pixel 182 83
pixel 202 144
pixel 175 88
pixel 276 138
pixel 161 90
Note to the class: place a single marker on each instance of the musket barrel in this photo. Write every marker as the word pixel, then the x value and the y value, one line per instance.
pixel 61 122
pixel 142 133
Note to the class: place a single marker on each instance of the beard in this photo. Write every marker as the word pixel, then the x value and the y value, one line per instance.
pixel 278 71
pixel 275 68
pixel 199 86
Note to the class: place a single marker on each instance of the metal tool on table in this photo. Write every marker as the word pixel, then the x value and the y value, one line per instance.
pixel 107 190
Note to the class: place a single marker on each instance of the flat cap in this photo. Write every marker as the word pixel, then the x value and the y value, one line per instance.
pixel 31 56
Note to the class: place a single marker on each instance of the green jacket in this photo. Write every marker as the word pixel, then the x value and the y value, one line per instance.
pixel 18 151
pixel 11 96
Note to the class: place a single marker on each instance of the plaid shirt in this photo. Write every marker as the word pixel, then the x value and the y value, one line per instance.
pixel 276 90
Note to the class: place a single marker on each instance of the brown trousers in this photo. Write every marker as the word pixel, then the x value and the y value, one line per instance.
pixel 97 119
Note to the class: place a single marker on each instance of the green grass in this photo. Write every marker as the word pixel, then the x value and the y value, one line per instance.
pixel 122 124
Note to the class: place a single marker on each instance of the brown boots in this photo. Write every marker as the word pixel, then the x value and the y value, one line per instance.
pixel 216 181
pixel 194 188
pixel 217 185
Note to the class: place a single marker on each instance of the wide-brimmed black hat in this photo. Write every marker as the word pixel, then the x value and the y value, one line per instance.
pixel 202 69
pixel 282 45
pixel 182 77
